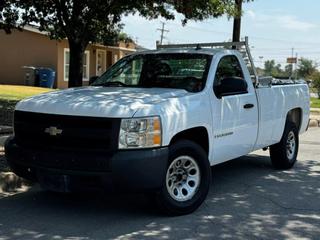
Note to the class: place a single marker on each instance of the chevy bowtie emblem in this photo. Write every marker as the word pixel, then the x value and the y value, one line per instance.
pixel 53 131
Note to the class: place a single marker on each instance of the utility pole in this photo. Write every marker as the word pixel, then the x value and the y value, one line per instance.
pixel 292 52
pixel 162 30
pixel 295 67
pixel 237 22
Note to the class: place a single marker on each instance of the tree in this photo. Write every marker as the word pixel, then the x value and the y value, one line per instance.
pixel 288 70
pixel 237 22
pixel 125 38
pixel 275 70
pixel 269 66
pixel 8 15
pixel 306 67
pixel 315 77
pixel 84 21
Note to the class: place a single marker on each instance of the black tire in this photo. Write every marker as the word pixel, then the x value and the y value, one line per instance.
pixel 165 201
pixel 278 152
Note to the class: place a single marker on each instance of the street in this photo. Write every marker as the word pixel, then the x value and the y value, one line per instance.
pixel 247 200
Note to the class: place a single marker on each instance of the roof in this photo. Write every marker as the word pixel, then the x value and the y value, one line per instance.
pixel 35 29
pixel 141 48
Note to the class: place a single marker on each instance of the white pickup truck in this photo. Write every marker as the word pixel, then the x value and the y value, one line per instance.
pixel 156 121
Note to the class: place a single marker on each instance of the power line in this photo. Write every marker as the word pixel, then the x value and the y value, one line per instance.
pixel 288 54
pixel 254 37
pixel 204 30
pixel 272 53
pixel 284 48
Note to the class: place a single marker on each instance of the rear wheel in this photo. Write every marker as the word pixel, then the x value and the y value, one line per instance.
pixel 284 154
pixel 187 179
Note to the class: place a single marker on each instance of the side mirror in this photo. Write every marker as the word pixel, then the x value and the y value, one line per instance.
pixel 231 86
pixel 93 79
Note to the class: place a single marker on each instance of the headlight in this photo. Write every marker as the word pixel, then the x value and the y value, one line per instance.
pixel 140 133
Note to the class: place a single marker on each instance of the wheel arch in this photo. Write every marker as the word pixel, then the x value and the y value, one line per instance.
pixel 295 116
pixel 198 135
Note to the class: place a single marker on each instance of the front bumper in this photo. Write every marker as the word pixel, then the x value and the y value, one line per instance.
pixel 65 170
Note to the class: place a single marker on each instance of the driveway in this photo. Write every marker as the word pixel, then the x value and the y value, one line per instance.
pixel 248 200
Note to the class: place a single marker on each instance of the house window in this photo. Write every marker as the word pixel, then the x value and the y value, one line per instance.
pixel 67 63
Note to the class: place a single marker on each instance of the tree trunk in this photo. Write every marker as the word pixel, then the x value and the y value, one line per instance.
pixel 76 63
pixel 237 22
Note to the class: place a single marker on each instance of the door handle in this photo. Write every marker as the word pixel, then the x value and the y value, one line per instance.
pixel 248 105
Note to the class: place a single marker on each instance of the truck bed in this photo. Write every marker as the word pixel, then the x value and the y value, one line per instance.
pixel 274 103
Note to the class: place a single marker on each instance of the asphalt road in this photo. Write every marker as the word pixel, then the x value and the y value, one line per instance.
pixel 248 200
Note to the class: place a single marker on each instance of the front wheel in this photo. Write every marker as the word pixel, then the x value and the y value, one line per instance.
pixel 284 154
pixel 187 181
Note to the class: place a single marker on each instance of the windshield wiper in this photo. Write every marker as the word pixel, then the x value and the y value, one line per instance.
pixel 116 83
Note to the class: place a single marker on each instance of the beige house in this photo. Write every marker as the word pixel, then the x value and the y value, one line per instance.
pixel 33 48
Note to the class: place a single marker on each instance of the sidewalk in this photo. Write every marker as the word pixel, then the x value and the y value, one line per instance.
pixel 315 110
pixel 5 130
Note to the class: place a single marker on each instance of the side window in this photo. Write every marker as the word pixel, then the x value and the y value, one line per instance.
pixel 228 67
pixel 229 78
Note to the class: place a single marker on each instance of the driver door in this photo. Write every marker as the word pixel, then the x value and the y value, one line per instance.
pixel 235 111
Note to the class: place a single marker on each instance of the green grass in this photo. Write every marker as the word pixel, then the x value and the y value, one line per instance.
pixel 315 103
pixel 16 93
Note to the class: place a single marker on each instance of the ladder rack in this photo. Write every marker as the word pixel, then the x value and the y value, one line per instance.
pixel 242 47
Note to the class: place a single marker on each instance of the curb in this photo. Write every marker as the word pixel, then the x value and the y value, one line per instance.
pixel 315 112
pixel 314 123
pixel 9 182
pixel 6 130
pixel 3 138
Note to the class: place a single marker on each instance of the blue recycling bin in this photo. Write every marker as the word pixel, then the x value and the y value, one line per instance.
pixel 46 77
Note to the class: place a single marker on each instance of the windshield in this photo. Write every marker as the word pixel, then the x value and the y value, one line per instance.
pixel 182 71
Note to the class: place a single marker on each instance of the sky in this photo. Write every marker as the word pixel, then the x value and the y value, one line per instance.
pixel 274 27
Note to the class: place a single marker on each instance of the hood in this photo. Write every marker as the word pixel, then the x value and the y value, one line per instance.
pixel 116 102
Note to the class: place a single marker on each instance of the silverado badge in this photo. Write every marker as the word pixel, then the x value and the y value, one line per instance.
pixel 53 131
